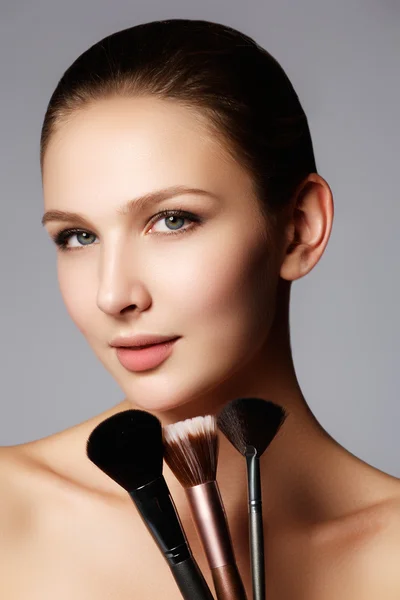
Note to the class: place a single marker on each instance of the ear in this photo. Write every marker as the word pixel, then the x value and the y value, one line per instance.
pixel 308 227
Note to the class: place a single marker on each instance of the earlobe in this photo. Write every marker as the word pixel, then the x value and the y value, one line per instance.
pixel 308 228
pixel 295 264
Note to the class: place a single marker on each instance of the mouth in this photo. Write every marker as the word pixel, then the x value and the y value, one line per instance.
pixel 142 358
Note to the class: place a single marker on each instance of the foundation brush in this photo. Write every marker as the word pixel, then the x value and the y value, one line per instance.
pixel 128 447
pixel 250 424
pixel 191 452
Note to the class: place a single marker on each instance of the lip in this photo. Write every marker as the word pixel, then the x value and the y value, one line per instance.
pixel 136 360
pixel 145 339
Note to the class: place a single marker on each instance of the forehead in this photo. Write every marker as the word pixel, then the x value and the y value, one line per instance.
pixel 125 146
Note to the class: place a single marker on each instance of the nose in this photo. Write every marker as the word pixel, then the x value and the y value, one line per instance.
pixel 120 283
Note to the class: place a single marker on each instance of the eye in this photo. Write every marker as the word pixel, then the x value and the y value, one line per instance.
pixel 173 220
pixel 62 239
pixel 82 238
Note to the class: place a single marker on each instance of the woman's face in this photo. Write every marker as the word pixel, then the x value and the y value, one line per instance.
pixel 207 276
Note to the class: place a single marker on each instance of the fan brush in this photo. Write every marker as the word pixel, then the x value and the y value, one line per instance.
pixel 250 424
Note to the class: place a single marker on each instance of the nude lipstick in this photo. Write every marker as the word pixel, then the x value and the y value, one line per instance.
pixel 141 353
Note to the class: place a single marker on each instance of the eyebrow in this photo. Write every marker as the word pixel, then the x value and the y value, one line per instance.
pixel 130 207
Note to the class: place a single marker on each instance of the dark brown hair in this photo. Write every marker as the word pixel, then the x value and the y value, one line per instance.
pixel 238 85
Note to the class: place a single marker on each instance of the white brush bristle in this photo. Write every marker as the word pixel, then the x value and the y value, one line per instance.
pixel 192 449
pixel 197 426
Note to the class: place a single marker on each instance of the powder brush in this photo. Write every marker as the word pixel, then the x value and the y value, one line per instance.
pixel 128 447
pixel 250 424
pixel 191 451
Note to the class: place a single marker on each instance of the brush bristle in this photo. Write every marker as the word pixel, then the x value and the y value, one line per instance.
pixel 128 447
pixel 191 450
pixel 251 422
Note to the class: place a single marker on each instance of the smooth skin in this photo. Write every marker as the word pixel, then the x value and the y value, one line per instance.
pixel 332 527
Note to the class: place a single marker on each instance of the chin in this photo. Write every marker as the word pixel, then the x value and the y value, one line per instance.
pixel 161 404
pixel 164 393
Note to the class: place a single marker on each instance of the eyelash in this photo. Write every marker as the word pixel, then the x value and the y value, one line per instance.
pixel 61 238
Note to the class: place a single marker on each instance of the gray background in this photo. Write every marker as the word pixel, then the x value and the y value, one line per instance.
pixel 343 58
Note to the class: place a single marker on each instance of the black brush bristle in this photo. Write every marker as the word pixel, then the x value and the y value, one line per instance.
pixel 251 422
pixel 128 447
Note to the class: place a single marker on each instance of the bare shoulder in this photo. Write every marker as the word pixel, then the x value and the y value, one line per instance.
pixel 359 555
pixel 355 556
pixel 59 539
pixel 15 500
pixel 12 469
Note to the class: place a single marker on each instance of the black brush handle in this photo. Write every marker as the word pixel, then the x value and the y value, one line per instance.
pixel 157 509
pixel 256 528
pixel 190 580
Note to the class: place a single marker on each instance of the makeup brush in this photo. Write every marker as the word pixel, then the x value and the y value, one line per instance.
pixel 128 447
pixel 250 424
pixel 191 451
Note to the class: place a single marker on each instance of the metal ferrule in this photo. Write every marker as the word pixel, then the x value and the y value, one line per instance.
pixel 253 479
pixel 211 523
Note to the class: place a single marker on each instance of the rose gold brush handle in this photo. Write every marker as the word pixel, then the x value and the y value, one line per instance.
pixel 228 584
pixel 212 527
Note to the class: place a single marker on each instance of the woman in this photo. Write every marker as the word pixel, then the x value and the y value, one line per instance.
pixel 181 190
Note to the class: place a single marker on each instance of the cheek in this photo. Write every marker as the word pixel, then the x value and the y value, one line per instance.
pixel 228 287
pixel 78 293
